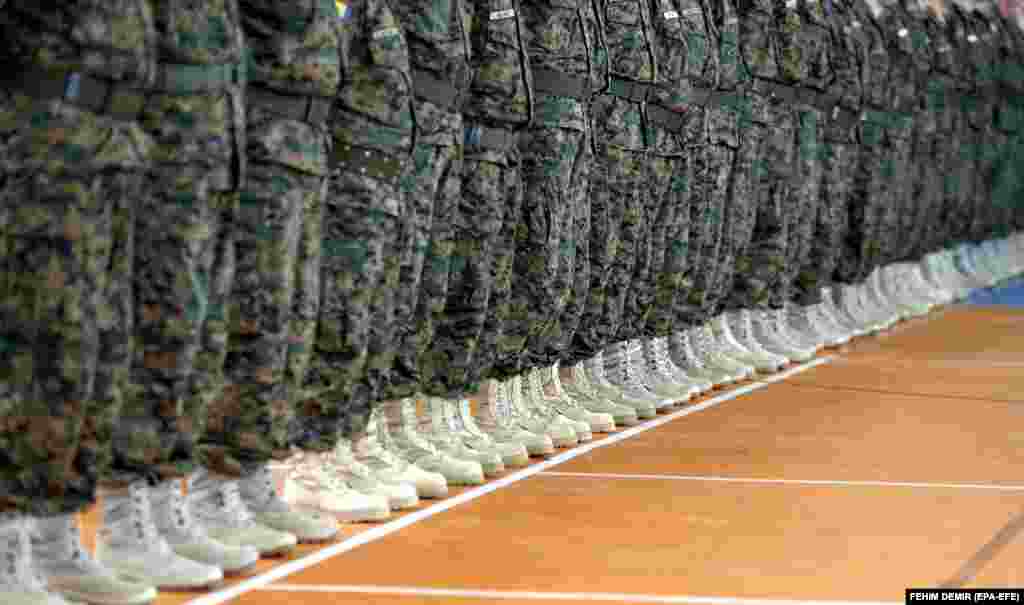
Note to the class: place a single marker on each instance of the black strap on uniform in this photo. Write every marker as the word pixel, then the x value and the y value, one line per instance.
pixel 428 87
pixel 180 79
pixel 368 162
pixel 558 84
pixel 102 97
pixel 496 139
pixel 630 90
pixel 775 90
pixel 844 117
pixel 309 109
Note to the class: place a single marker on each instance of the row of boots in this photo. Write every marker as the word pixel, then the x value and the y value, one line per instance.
pixel 191 534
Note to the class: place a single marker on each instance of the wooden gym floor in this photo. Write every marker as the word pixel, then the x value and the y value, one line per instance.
pixel 897 462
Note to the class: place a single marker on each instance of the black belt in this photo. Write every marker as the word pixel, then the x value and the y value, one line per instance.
pixel 558 84
pixel 368 162
pixel 439 92
pixel 179 79
pixel 775 90
pixel 308 109
pixel 104 97
pixel 630 90
pixel 485 137
pixel 672 121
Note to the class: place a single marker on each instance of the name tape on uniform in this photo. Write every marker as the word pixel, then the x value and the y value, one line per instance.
pixel 505 14
pixel 669 15
pixel 387 32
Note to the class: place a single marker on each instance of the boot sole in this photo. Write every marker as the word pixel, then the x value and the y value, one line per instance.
pixel 76 597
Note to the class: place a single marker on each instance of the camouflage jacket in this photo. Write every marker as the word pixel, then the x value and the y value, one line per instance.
pixel 566 36
pixel 814 45
pixel 114 39
pixel 501 92
pixel 759 40
pixel 846 55
pixel 684 45
pixel 437 33
pixel 373 107
pixel 980 58
pixel 293 45
pixel 941 95
pixel 629 38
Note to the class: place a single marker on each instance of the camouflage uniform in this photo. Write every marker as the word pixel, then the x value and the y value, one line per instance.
pixel 841 154
pixel 500 104
pixel 727 174
pixel 439 55
pixel 770 140
pixel 924 200
pixel 371 125
pixel 556 155
pixel 977 105
pixel 813 219
pixel 623 150
pixel 72 162
pixel 184 264
pixel 687 73
pixel 1008 187
pixel 293 75
pixel 941 101
pixel 961 167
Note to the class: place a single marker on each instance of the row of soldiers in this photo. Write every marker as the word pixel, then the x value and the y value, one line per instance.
pixel 230 228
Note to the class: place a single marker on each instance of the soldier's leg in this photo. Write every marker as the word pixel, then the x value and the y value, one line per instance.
pixel 488 174
pixel 806 272
pixel 669 182
pixel 437 181
pixel 551 150
pixel 768 245
pixel 361 225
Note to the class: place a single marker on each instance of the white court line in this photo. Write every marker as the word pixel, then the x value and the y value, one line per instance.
pixel 380 531
pixel 825 482
pixel 786 374
pixel 551 596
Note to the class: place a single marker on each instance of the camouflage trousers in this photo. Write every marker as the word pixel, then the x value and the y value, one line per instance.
pixel 184 269
pixel 491 183
pixel 355 327
pixel 433 190
pixel 924 201
pixel 803 274
pixel 500 267
pixel 555 154
pixel 70 184
pixel 831 222
pixel 896 173
pixel 759 277
pixel 670 183
pixel 739 215
pixel 272 315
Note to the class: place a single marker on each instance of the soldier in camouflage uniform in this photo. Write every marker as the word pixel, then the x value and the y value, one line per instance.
pixel 556 154
pixel 275 297
pixel 1009 179
pixel 73 162
pixel 620 112
pixel 688 66
pixel 759 281
pixel 961 168
pixel 184 265
pixel 813 219
pixel 841 153
pixel 727 175
pixel 978 106
pixel 499 106
pixel 941 100
pixel 439 56
pixel 371 125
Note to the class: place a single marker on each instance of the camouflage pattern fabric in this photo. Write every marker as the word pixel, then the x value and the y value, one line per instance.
pixel 71 181
pixel 184 261
pixel 561 37
pixel 840 153
pixel 361 242
pixel 686 60
pixel 807 273
pixel 439 47
pixel 768 146
pixel 275 294
pixel 500 103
